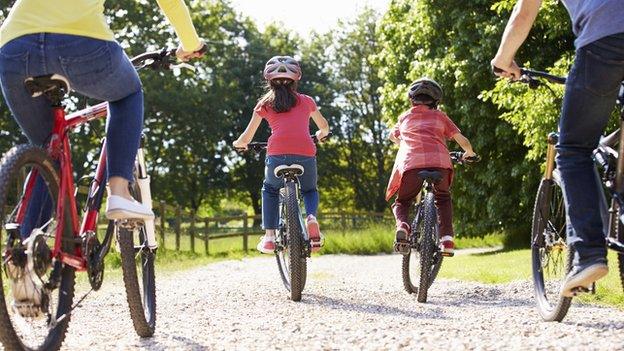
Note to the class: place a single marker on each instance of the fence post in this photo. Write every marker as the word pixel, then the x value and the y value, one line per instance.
pixel 192 231
pixel 162 224
pixel 206 230
pixel 343 220
pixel 245 234
pixel 178 227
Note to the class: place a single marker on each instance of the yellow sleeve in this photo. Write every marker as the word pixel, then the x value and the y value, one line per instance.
pixel 180 18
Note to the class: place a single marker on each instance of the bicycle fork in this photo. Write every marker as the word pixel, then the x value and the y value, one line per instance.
pixel 143 181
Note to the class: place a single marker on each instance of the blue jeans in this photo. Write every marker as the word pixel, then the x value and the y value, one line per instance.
pixel 590 96
pixel 95 68
pixel 272 186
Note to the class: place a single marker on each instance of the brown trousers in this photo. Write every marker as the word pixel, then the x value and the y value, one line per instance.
pixel 411 185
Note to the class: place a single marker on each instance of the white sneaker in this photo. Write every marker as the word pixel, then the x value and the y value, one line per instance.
pixel 119 208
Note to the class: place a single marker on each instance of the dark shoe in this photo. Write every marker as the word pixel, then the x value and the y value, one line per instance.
pixel 582 277
pixel 401 241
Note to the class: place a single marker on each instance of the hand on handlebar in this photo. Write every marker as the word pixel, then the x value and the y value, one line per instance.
pixel 321 136
pixel 469 156
pixel 185 56
pixel 504 69
pixel 241 145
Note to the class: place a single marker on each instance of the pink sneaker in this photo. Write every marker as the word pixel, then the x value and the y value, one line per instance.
pixel 447 245
pixel 314 233
pixel 266 245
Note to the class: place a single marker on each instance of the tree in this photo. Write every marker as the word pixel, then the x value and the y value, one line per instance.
pixel 361 153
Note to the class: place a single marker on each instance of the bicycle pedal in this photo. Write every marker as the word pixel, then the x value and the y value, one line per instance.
pixel 129 224
pixel 402 248
pixel 580 290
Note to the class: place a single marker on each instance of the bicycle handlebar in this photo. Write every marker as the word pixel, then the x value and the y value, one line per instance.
pixel 164 59
pixel 458 157
pixel 532 78
pixel 258 146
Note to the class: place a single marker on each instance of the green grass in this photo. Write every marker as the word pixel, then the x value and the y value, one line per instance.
pixel 380 239
pixel 507 266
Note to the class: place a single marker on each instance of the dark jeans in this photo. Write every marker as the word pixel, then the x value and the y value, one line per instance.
pixel 94 68
pixel 273 184
pixel 411 185
pixel 590 96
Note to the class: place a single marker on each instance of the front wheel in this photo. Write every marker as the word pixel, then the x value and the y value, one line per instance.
pixel 137 263
pixel 551 257
pixel 295 243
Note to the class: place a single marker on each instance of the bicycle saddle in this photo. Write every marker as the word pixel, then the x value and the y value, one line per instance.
pixel 430 176
pixel 296 170
pixel 53 86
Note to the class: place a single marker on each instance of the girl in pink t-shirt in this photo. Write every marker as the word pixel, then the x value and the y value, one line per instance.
pixel 422 133
pixel 288 114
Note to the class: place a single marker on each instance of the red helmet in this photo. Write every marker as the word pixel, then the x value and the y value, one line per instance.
pixel 282 67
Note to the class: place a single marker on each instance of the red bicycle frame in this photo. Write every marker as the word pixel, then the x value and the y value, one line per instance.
pixel 59 149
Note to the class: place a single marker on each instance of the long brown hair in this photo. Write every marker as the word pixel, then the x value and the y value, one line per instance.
pixel 281 95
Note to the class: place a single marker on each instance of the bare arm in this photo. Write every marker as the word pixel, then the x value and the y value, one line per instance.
pixel 322 125
pixel 464 143
pixel 518 28
pixel 250 131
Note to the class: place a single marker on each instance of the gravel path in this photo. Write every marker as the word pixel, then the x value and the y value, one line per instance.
pixel 350 303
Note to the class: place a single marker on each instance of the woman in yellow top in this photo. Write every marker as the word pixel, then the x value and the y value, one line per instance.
pixel 72 38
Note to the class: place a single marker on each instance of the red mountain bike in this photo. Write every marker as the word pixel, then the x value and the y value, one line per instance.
pixel 45 243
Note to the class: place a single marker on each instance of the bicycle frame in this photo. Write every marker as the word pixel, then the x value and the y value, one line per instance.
pixel 60 151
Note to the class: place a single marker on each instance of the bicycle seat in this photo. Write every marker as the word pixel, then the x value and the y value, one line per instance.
pixel 294 170
pixel 430 176
pixel 53 86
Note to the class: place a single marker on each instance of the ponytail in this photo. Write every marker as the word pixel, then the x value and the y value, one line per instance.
pixel 281 95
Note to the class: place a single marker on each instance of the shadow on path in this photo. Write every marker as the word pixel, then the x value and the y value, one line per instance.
pixel 370 308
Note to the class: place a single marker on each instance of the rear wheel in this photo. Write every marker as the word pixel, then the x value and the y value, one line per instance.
pixel 137 262
pixel 550 255
pixel 295 243
pixel 427 247
pixel 36 289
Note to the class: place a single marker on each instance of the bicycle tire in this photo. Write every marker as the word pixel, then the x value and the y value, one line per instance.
pixel 551 306
pixel 141 297
pixel 10 165
pixel 427 246
pixel 281 256
pixel 620 238
pixel 298 264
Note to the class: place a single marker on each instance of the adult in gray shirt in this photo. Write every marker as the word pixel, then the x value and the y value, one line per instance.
pixel 591 91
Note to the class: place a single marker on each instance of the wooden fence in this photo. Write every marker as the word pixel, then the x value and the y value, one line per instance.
pixel 181 230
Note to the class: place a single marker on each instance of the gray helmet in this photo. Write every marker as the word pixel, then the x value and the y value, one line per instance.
pixel 425 86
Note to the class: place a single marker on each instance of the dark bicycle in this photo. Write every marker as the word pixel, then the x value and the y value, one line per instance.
pixel 551 255
pixel 425 251
pixel 292 243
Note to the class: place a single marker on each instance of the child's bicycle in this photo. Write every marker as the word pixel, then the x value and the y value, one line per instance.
pixel 551 255
pixel 421 265
pixel 292 244
pixel 45 242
